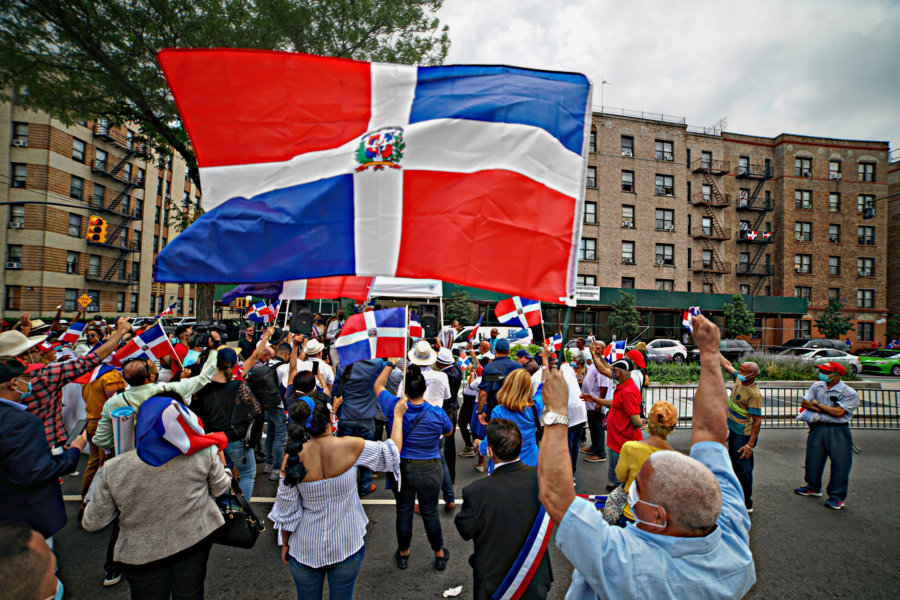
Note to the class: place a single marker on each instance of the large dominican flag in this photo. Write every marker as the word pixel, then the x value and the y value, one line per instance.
pixel 152 344
pixel 372 334
pixel 518 312
pixel 330 166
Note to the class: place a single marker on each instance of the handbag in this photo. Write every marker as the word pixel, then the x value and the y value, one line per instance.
pixel 538 428
pixel 615 505
pixel 242 527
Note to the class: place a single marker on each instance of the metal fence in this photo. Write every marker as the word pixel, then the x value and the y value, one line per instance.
pixel 878 409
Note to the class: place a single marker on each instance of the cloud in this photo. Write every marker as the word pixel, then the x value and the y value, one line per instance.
pixel 815 67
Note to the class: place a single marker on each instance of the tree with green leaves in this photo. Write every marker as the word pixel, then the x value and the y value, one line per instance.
pixel 458 307
pixel 833 324
pixel 624 320
pixel 96 59
pixel 738 320
pixel 893 327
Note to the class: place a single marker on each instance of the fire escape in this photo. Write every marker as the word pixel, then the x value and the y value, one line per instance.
pixel 753 203
pixel 710 198
pixel 117 212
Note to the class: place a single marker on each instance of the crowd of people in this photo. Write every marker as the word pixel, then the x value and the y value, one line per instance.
pixel 325 432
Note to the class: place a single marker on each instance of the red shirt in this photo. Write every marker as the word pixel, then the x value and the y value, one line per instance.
pixel 626 401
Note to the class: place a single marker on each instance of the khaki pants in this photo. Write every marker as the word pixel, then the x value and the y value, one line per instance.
pixel 95 459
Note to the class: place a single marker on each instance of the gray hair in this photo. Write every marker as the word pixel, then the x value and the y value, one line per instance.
pixel 686 488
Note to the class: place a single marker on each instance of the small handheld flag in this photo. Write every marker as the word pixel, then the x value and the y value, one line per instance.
pixel 555 342
pixel 260 313
pixel 372 334
pixel 152 344
pixel 92 376
pixel 475 329
pixel 614 350
pixel 415 327
pixel 693 311
pixel 168 311
pixel 519 312
pixel 73 333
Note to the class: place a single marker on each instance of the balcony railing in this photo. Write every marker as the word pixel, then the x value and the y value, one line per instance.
pixel 744 237
pixel 743 203
pixel 710 233
pixel 711 266
pixel 715 167
pixel 699 198
pixel 743 268
pixel 118 245
pixel 751 171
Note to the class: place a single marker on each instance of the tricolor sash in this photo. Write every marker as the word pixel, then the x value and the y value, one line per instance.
pixel 523 568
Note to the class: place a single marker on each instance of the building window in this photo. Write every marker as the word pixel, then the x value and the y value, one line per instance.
pixel 142 177
pixel 94 306
pixel 665 219
pixel 803 167
pixel 665 254
pixel 707 288
pixel 802 329
pixel 134 303
pixel 76 187
pixel 191 300
pixel 866 331
pixel 588 249
pixel 592 147
pixel 803 263
pixel 627 216
pixel 152 303
pixel 19 175
pixel 590 212
pixel 705 159
pixel 744 289
pixel 803 231
pixel 126 205
pixel 71 262
pixel 99 194
pixel 803 199
pixel 135 270
pixel 834 169
pixel 866 171
pixel 138 208
pixel 17 215
pixel 129 139
pixel 706 192
pixel 667 285
pixel 743 262
pixel 590 280
pixel 159 185
pixel 156 215
pixel 592 174
pixel 71 300
pixel 834 202
pixel 13 297
pixel 74 225
pixel 663 150
pixel 155 243
pixel 14 254
pixel 591 182
pixel 628 283
pixel 168 189
pixel 743 165
pixel 78 148
pixel 100 160
pixel 628 253
pixel 627 181
pixel 94 265
pixel 706 226
pixel 123 276
pixel 865 267
pixel 627 145
pixel 834 293
pixel 120 302
pixel 743 196
pixel 803 291
pixel 834 234
pixel 865 236
pixel 20 135
pixel 665 185
pixel 864 201
pixel 706 257
pixel 834 265
pixel 165 222
pixel 126 172
pixel 865 298
pixel 137 239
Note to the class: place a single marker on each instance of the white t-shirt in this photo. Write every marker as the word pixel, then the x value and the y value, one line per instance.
pixel 438 388
pixel 577 410
pixel 536 379
pixel 306 365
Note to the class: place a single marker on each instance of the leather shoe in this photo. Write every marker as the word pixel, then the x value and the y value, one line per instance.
pixel 440 562
pixel 450 506
pixel 416 509
pixel 371 489
pixel 402 561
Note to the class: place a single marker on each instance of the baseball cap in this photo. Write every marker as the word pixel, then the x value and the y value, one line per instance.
pixel 502 346
pixel 833 367
pixel 623 363
pixel 226 356
pixel 637 358
pixel 663 413
pixel 522 353
pixel 10 369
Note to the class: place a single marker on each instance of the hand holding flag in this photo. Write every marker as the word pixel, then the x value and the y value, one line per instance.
pixel 474 331
pixel 152 344
pixel 614 351
pixel 555 342
pixel 693 311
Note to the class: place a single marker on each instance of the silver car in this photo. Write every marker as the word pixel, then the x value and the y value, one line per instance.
pixel 673 349
pixel 824 355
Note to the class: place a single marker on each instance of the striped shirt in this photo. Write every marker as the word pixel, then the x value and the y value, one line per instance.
pixel 326 517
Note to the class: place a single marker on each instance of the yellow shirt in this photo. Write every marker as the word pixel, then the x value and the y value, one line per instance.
pixel 95 393
pixel 631 459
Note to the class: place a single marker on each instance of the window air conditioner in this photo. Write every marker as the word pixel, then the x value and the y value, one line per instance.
pixel 20 143
pixel 835 176
pixel 670 228
pixel 16 225
pixel 627 152
pixel 660 262
pixel 13 265
pixel 807 174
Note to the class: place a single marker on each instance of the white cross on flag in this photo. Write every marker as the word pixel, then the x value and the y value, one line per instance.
pixel 152 344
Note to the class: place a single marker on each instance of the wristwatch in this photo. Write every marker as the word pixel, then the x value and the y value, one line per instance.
pixel 548 417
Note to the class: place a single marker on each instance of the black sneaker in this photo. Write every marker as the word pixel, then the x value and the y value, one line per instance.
pixel 112 577
pixel 402 561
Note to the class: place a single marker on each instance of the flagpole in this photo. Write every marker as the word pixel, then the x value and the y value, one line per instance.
pixel 541 312
pixel 287 311
pixel 402 391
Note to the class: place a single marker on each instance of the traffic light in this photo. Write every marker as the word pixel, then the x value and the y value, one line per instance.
pixel 240 303
pixel 96 231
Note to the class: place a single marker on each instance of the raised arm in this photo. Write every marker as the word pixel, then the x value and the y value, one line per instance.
pixel 599 362
pixel 726 364
pixel 292 361
pixel 710 407
pixel 555 489
pixel 382 379
pixel 254 358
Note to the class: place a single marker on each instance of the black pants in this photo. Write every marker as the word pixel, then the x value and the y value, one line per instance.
pixel 380 428
pixel 420 479
pixel 179 576
pixel 110 564
pixel 465 416
pixel 598 436
pixel 450 441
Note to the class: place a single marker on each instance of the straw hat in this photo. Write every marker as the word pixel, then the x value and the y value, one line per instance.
pixel 422 354
pixel 13 343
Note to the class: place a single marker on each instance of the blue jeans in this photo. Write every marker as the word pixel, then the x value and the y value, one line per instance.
pixel 836 443
pixel 244 463
pixel 612 459
pixel 310 582
pixel 277 430
pixel 364 428
pixel 743 467
pixel 574 441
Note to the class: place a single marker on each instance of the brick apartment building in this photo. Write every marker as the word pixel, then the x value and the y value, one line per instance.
pixel 682 210
pixel 58 177
pixel 893 210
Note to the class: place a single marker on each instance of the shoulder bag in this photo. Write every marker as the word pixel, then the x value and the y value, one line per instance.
pixel 242 526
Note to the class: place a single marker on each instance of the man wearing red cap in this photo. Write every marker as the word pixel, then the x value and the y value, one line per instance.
pixel 828 408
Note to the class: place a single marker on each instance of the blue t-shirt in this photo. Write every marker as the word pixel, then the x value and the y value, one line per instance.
pixel 501 367
pixel 421 442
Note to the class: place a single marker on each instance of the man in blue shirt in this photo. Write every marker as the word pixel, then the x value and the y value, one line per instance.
pixel 691 536
pixel 492 378
pixel 354 404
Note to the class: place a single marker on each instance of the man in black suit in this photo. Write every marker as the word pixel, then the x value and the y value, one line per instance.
pixel 498 513
pixel 29 473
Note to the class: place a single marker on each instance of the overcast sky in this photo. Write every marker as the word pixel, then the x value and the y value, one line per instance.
pixel 816 67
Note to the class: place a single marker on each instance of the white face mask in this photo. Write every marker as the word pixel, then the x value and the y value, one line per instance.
pixel 633 500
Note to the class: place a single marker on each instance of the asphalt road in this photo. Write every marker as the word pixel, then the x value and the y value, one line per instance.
pixel 802 549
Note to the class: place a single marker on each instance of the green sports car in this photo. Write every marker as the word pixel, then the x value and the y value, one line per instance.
pixel 881 361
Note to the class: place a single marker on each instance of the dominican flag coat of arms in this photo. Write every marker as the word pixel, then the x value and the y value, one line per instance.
pixel 331 167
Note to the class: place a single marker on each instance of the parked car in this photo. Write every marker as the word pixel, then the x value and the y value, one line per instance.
pixel 674 349
pixel 731 349
pixel 824 355
pixel 658 356
pixel 811 343
pixel 881 361
pixel 484 333
pixel 167 324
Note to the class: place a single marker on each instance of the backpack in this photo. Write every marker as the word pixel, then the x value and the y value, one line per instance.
pixel 220 404
pixel 263 382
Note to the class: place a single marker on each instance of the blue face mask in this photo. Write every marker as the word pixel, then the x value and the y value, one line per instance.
pixel 741 377
pixel 28 393
pixel 59 591
pixel 824 376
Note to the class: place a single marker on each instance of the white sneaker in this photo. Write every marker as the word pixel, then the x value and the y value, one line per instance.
pixel 268 469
